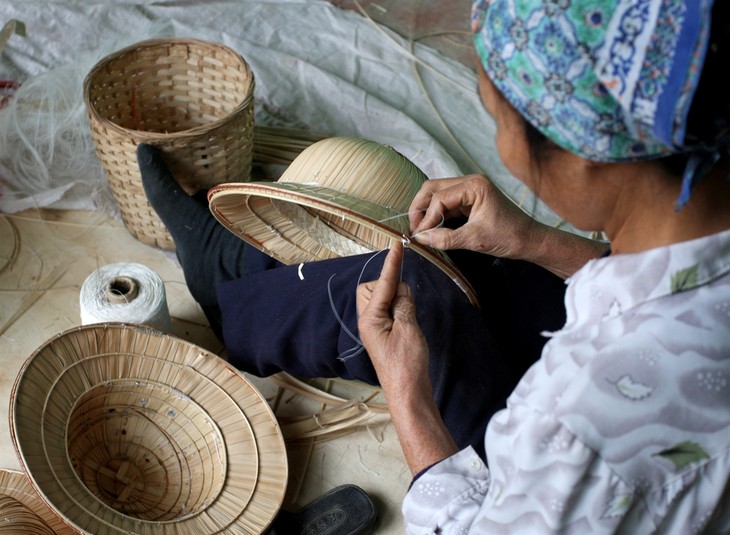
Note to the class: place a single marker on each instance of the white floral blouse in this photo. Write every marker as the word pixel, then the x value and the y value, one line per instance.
pixel 623 425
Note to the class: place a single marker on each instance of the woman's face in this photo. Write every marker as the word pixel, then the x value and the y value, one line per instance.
pixel 561 179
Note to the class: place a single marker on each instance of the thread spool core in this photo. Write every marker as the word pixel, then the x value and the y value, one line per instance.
pixel 121 290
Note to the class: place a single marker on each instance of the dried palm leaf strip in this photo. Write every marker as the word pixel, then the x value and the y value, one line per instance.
pixel 16 245
pixel 33 295
pixel 340 415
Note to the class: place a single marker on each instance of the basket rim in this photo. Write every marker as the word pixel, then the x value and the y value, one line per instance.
pixel 159 136
pixel 319 198
pixel 215 430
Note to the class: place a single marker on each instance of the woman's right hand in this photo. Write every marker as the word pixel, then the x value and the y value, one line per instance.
pixel 495 225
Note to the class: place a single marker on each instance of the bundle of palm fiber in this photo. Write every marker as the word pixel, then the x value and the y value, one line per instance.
pixel 281 145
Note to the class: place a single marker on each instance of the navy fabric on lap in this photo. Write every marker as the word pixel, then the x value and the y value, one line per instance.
pixel 282 319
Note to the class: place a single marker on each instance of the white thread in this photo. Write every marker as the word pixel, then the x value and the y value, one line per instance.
pixel 359 347
pixel 45 141
pixel 125 292
pixel 406 240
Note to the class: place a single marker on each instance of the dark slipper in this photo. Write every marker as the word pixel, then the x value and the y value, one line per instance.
pixel 344 510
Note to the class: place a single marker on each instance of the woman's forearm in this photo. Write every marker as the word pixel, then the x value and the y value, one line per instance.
pixel 421 431
pixel 389 330
pixel 560 252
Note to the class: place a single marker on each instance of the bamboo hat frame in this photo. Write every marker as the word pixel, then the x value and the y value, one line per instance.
pixel 341 196
pixel 123 429
pixel 23 511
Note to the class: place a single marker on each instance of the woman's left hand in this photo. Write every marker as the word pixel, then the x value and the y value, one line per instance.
pixel 398 350
pixel 389 330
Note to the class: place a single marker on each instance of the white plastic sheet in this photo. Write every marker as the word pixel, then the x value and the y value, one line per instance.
pixel 316 67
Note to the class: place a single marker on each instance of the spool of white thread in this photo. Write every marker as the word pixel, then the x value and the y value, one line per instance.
pixel 125 292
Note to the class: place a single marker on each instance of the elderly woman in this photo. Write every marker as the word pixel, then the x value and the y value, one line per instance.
pixel 623 425
pixel 612 111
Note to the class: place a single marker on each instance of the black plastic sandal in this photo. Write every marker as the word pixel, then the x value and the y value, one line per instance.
pixel 344 510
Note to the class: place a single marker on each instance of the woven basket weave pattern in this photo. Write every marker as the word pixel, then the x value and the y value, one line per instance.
pixel 191 99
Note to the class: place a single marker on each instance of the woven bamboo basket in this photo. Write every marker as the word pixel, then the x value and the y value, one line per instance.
pixel 191 99
pixel 23 512
pixel 123 429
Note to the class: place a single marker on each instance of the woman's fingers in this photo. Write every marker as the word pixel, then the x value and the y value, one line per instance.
pixel 451 197
pixel 495 224
pixel 439 238
pixel 418 212
pixel 404 309
pixel 385 289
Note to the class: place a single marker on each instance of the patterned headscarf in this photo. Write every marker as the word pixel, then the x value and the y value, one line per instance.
pixel 609 80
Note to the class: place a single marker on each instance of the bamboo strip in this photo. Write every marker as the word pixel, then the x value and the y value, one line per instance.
pixel 293 493
pixel 284 380
pixel 23 512
pixel 280 145
pixel 329 422
pixel 16 244
pixel 338 415
pixel 410 54
pixel 33 295
pixel 17 518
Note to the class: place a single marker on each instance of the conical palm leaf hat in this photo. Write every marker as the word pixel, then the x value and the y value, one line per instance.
pixel 341 196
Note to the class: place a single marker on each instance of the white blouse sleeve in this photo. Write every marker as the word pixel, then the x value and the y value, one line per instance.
pixel 541 480
pixel 447 495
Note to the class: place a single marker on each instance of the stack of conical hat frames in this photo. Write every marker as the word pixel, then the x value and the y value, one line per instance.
pixel 124 429
pixel 341 196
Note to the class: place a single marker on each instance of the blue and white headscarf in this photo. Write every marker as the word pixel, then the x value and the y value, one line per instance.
pixel 609 80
